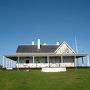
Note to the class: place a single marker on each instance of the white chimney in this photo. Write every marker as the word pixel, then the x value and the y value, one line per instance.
pixel 44 44
pixel 38 44
pixel 57 43
pixel 32 42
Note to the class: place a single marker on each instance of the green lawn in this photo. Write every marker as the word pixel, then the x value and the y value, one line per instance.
pixel 73 79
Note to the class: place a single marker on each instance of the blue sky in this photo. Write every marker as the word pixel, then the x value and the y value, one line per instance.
pixel 22 21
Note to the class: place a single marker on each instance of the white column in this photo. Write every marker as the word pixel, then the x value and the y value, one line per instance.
pixel 62 61
pixel 33 62
pixel 48 61
pixel 6 63
pixel 36 61
pixel 88 61
pixel 3 61
pixel 82 62
pixel 11 63
pixel 33 59
pixel 77 63
pixel 18 63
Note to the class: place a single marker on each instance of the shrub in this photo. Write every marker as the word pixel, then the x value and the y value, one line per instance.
pixel 1 66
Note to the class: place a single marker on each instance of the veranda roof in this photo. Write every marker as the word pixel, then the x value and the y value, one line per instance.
pixel 15 56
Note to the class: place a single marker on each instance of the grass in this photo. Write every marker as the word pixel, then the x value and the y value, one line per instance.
pixel 73 79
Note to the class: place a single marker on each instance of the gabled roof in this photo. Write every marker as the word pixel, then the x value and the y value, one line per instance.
pixel 33 49
pixel 43 48
pixel 67 46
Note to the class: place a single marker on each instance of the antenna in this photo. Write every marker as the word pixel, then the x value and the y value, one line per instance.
pixel 76 48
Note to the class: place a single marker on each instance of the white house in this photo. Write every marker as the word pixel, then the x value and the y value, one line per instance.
pixel 45 56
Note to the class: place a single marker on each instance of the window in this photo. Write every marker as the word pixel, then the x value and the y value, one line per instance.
pixel 27 61
pixel 46 60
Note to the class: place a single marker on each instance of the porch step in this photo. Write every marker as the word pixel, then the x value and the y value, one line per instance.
pixel 61 69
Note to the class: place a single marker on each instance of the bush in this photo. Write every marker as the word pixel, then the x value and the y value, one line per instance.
pixel 1 66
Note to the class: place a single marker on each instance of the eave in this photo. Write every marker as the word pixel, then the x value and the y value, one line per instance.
pixel 15 56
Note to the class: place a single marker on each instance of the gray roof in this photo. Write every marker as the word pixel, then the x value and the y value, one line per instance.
pixel 33 49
